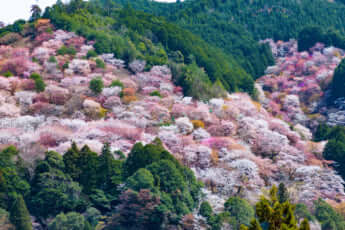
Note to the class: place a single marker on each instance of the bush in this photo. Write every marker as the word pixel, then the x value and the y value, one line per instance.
pixel 118 83
pixel 327 216
pixel 91 54
pixel 39 83
pixel 52 59
pixel 8 74
pixel 96 85
pixel 66 50
pixel 205 210
pixel 71 221
pixel 100 63
pixel 156 93
pixel 9 38
pixel 65 65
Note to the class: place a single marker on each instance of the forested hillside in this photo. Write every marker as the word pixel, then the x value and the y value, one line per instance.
pixel 235 25
pixel 131 35
pixel 137 115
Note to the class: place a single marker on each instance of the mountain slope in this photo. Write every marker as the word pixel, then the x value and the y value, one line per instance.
pixel 227 35
pixel 234 146
pixel 131 35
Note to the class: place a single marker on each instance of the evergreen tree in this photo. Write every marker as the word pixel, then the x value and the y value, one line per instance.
pixel 278 216
pixel 71 158
pixel 88 163
pixel 283 194
pixel 338 82
pixel 109 171
pixel 304 225
pixel 20 215
pixel 35 12
pixel 254 225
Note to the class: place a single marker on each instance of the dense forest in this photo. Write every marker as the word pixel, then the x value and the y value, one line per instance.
pixel 131 35
pixel 149 189
pixel 234 26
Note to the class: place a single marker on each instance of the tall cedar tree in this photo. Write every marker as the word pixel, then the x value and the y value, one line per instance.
pixel 20 215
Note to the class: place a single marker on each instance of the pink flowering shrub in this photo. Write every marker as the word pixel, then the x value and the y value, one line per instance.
pixel 124 130
pixel 217 142
pixel 43 37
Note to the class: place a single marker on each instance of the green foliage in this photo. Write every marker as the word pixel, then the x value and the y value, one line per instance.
pixel 69 221
pixel 52 190
pixel 158 192
pixel 241 212
pixel 20 215
pixel 176 184
pixel 274 214
pixel 156 93
pixel 304 225
pixel 91 54
pixel 338 82
pixel 96 85
pixel 335 147
pixel 283 194
pixel 92 215
pixel 35 12
pixel 310 35
pixel 16 27
pixel 302 212
pixel 131 35
pixel 118 83
pixel 66 50
pixel 82 166
pixel 100 200
pixel 215 28
pixel 52 59
pixel 39 83
pixel 205 210
pixel 100 63
pixel 65 65
pixel 12 183
pixel 109 171
pixel 328 217
pixel 8 74
pixel 195 82
pixel 141 179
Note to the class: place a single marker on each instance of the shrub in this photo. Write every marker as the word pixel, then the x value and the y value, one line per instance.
pixel 327 216
pixel 91 54
pixel 39 83
pixel 66 50
pixel 241 212
pixel 71 220
pixel 9 38
pixel 118 83
pixel 205 210
pixel 156 93
pixel 52 59
pixel 198 124
pixel 100 63
pixel 65 65
pixel 96 85
pixel 8 74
